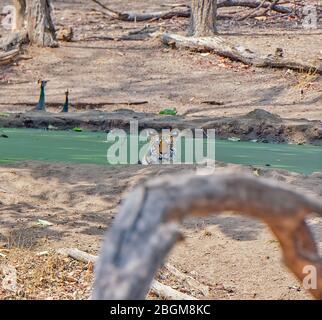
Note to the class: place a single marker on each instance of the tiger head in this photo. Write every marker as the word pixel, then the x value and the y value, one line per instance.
pixel 161 147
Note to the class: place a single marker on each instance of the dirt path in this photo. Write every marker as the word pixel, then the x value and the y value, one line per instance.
pixel 238 257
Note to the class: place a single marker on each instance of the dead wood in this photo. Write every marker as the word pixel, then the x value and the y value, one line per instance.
pixel 77 255
pixel 147 228
pixel 213 102
pixel 157 288
pixel 8 57
pixel 134 16
pixel 222 47
pixel 184 11
pixel 188 281
pixel 166 292
pixel 252 12
pixel 254 4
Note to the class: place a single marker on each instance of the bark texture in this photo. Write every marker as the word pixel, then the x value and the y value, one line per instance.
pixel 146 228
pixel 21 7
pixel 40 25
pixel 203 18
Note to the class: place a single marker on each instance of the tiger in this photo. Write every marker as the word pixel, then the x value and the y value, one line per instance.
pixel 161 148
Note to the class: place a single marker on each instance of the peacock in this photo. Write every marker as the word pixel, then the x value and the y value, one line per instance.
pixel 41 106
pixel 66 104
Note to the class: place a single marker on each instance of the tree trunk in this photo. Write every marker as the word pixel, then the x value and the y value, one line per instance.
pixel 40 26
pixel 203 18
pixel 20 6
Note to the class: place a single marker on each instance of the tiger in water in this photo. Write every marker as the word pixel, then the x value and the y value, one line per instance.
pixel 161 148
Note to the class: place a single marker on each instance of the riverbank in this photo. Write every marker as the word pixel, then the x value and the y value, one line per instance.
pixel 88 147
pixel 257 125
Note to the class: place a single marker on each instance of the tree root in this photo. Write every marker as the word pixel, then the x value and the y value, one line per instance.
pixel 223 48
pixel 146 228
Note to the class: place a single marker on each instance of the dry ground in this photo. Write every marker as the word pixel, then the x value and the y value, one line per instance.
pixel 236 256
pixel 100 71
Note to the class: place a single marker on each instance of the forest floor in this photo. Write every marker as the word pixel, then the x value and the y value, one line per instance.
pixel 237 257
pixel 99 71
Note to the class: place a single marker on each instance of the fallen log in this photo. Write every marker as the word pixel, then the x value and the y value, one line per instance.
pixel 8 57
pixel 184 10
pixel 134 16
pixel 77 255
pixel 147 228
pixel 190 282
pixel 222 47
pixel 157 288
pixel 253 4
pixel 250 14
pixel 168 293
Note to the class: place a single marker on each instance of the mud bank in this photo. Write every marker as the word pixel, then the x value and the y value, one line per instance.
pixel 258 124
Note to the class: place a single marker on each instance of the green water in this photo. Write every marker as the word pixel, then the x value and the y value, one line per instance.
pixel 91 147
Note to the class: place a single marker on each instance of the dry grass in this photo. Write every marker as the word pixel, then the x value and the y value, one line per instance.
pixel 46 276
pixel 307 81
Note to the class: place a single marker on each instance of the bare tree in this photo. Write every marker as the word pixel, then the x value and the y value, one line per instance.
pixel 203 18
pixel 34 22
pixel 20 6
pixel 40 27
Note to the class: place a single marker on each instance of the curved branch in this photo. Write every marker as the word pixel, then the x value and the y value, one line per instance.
pixel 147 226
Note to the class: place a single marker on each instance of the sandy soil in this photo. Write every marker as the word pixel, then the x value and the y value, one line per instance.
pixel 100 71
pixel 236 256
